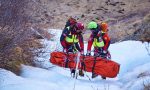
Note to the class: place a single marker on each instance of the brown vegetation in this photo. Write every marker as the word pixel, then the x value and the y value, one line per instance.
pixel 17 43
pixel 145 36
pixel 121 15
pixel 147 87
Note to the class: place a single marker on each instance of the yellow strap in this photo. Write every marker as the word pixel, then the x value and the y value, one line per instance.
pixel 97 43
pixel 73 39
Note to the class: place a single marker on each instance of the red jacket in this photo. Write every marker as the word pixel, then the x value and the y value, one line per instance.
pixel 65 33
pixel 105 38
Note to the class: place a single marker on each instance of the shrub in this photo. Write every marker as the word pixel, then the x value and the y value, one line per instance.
pixel 17 43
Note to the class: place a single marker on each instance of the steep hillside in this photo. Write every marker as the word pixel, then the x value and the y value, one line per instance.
pixel 125 17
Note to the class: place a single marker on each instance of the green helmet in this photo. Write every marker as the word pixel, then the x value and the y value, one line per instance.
pixel 92 25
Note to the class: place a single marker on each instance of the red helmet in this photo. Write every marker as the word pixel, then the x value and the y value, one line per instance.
pixel 80 26
pixel 72 20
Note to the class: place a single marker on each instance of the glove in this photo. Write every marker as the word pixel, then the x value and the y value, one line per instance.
pixel 88 53
pixel 108 55
pixel 96 54
pixel 82 53
pixel 65 50
pixel 104 51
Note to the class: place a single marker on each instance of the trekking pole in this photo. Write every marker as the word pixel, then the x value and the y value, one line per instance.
pixel 77 64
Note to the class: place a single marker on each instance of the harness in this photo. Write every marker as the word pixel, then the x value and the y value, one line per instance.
pixel 98 42
pixel 71 38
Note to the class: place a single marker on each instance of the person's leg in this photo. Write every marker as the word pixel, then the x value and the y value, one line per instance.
pixel 63 43
pixel 69 48
pixel 103 77
pixel 95 51
pixel 95 55
pixel 73 72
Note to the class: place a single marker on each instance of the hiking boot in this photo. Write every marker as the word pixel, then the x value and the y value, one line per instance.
pixel 73 72
pixel 94 75
pixel 103 77
pixel 81 73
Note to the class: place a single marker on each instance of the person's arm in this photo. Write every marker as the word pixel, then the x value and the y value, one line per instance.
pixel 67 24
pixel 63 36
pixel 106 39
pixel 81 43
pixel 77 47
pixel 90 42
pixel 65 33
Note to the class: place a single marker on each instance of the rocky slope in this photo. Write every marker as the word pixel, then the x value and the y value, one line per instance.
pixel 125 17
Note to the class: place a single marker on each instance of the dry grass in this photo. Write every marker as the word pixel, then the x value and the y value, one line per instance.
pixel 143 74
pixel 145 36
pixel 147 87
pixel 146 83
pixel 18 44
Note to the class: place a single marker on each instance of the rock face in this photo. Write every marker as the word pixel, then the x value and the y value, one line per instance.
pixel 143 29
pixel 127 19
pixel 123 16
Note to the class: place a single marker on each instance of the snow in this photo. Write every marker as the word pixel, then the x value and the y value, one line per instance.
pixel 131 55
pixel 33 78
pixel 9 81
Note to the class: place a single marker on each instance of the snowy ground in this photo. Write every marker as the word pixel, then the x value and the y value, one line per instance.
pixel 134 71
